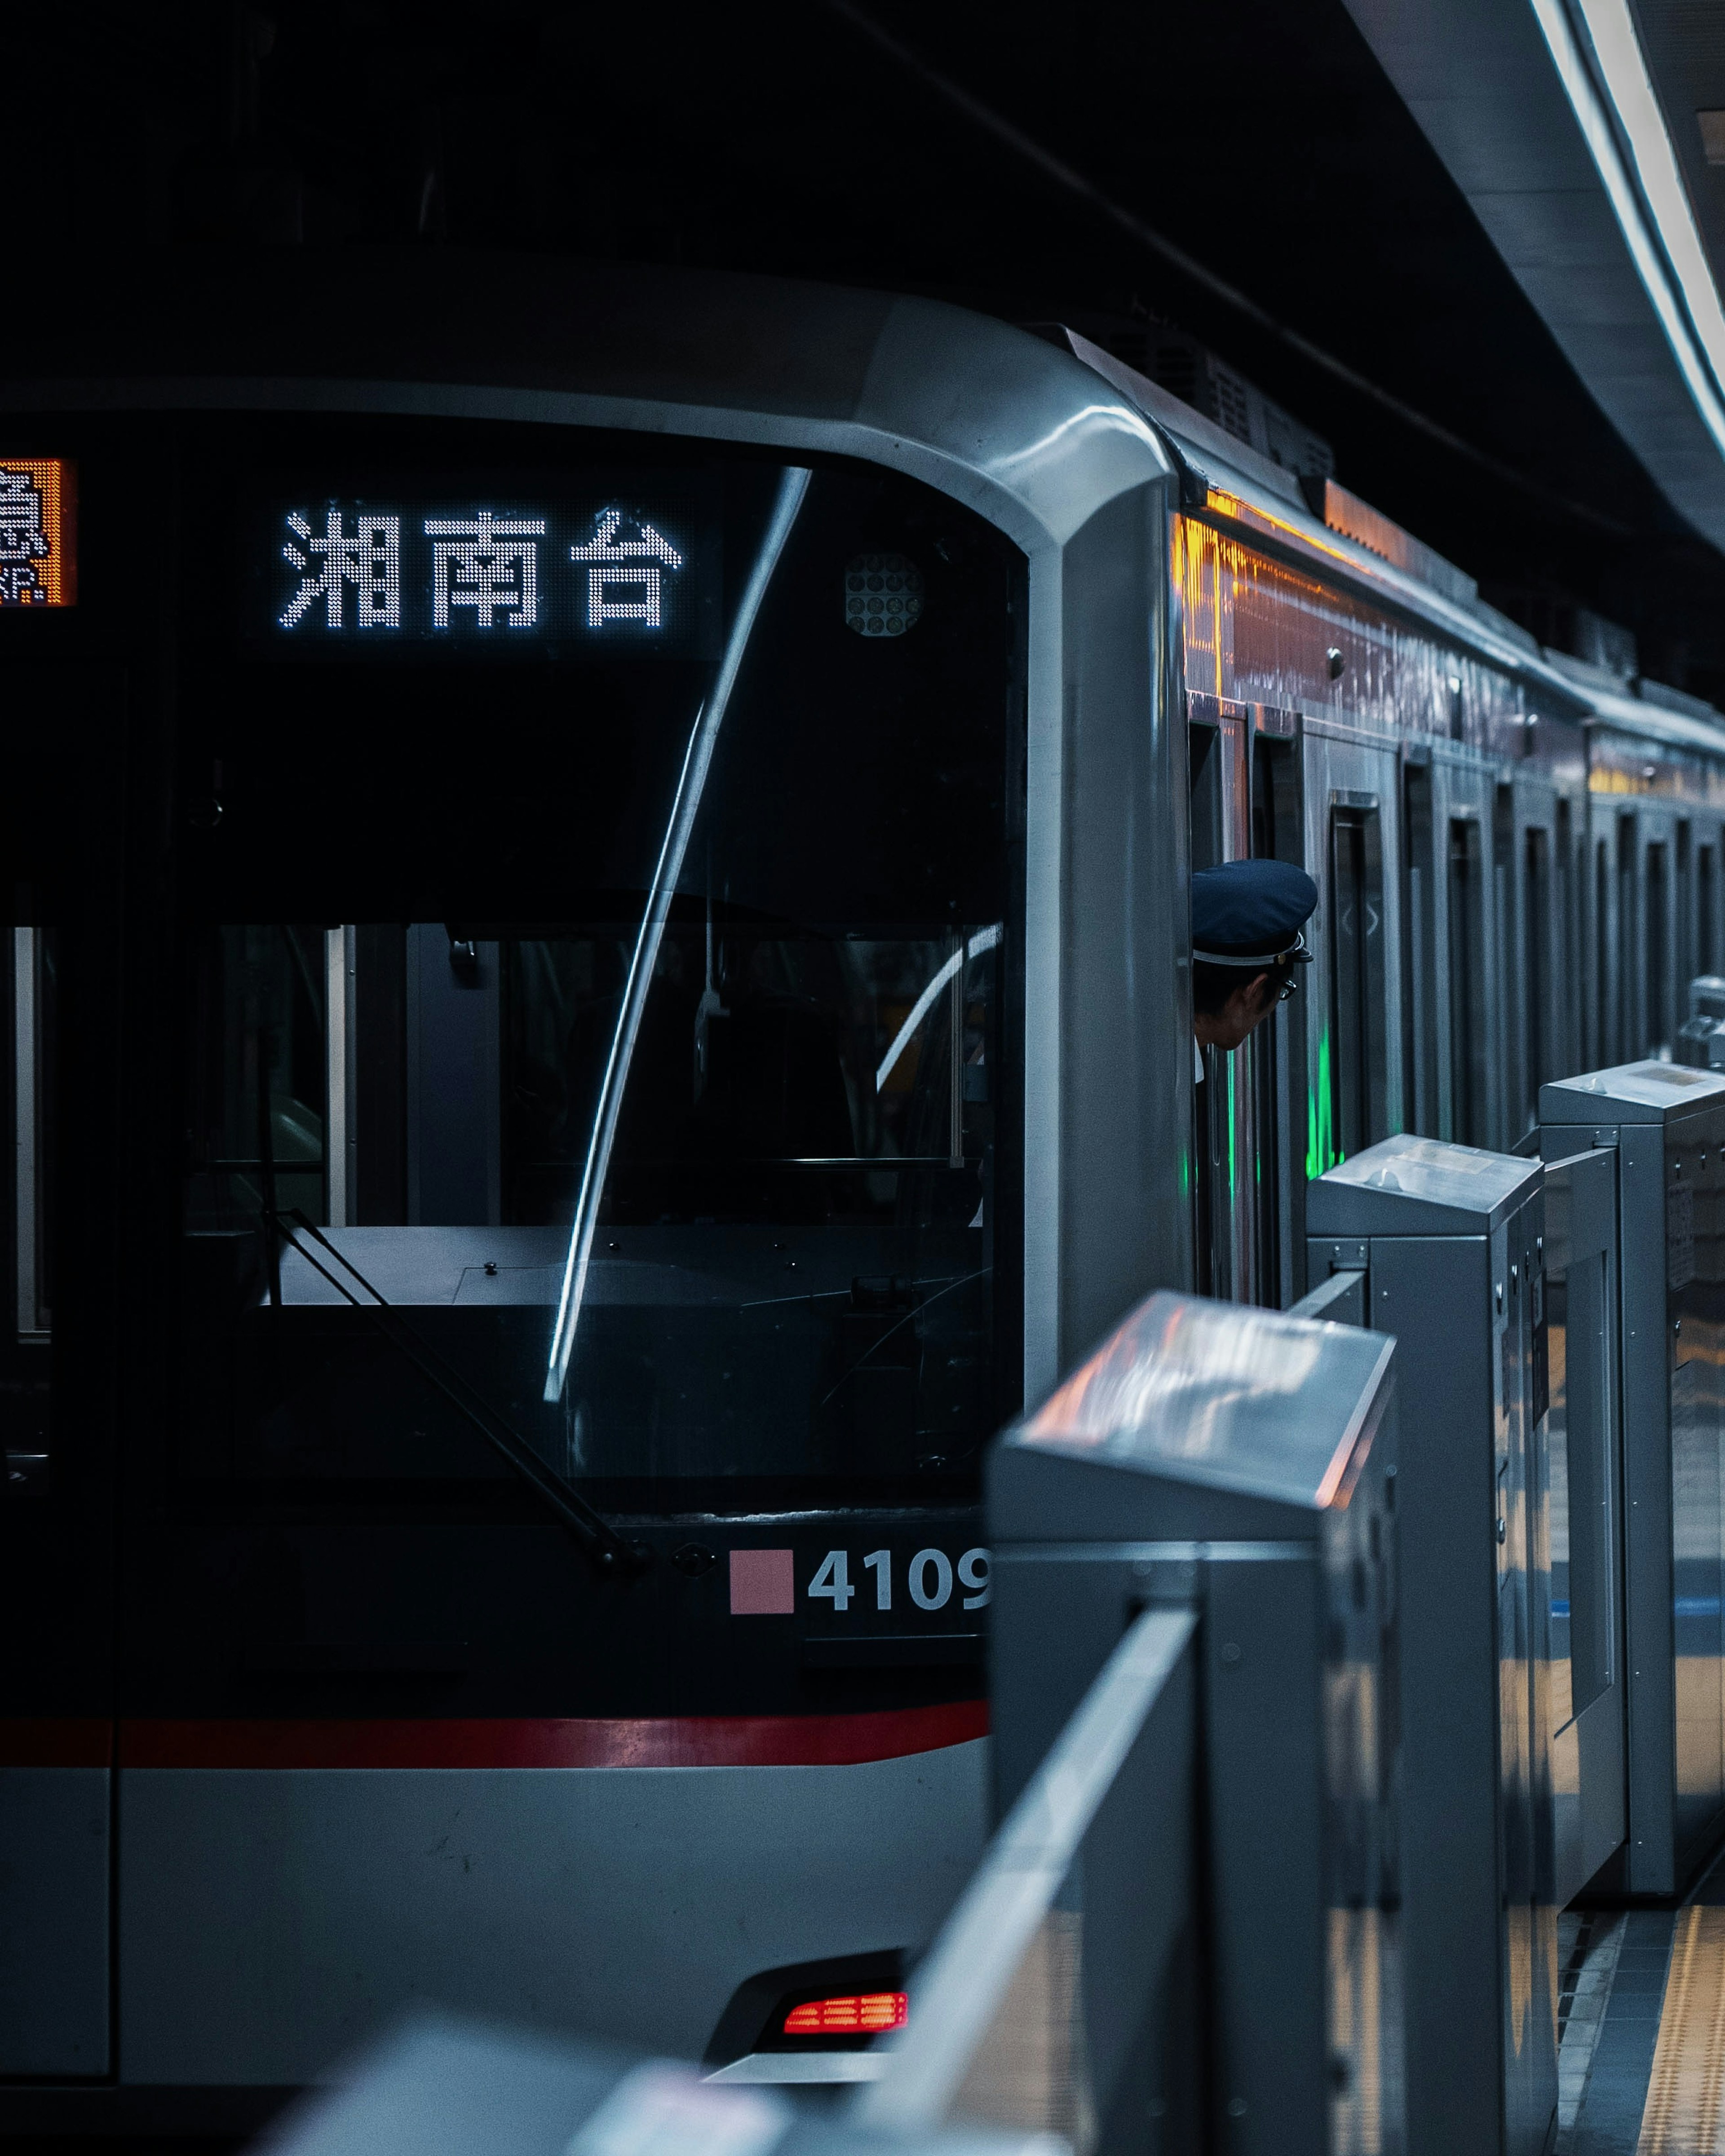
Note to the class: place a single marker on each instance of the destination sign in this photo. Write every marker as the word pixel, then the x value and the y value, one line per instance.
pixel 619 568
pixel 38 552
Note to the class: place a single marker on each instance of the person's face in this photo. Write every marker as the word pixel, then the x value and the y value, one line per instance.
pixel 1245 1010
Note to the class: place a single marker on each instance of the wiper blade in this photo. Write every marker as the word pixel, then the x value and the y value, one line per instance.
pixel 590 1527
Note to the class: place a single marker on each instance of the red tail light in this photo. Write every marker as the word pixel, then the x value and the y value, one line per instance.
pixel 859 2016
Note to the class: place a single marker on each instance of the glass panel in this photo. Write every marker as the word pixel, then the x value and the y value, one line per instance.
pixel 1564 1053
pixel 1604 1028
pixel 1275 835
pixel 1629 1025
pixel 1420 1004
pixel 1063 1995
pixel 1357 1062
pixel 1537 926
pixel 1209 1102
pixel 1658 972
pixel 1467 985
pixel 1687 968
pixel 1705 903
pixel 803 1208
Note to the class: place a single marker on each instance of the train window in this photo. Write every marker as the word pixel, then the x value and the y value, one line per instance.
pixel 1604 1035
pixel 1705 901
pixel 60 830
pixel 1537 925
pixel 1657 977
pixel 1562 1054
pixel 686 1180
pixel 1628 1003
pixel 1275 1073
pixel 1685 965
pixel 1357 1117
pixel 1209 811
pixel 1420 1033
pixel 1468 1087
pixel 1504 1032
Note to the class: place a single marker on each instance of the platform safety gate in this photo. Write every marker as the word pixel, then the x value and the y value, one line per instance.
pixel 1220 1475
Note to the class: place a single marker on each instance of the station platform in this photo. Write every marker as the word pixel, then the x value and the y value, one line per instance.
pixel 1641 2021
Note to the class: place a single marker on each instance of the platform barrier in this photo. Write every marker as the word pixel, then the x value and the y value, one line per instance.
pixel 1661 1128
pixel 1446 1247
pixel 1231 1468
pixel 443 2088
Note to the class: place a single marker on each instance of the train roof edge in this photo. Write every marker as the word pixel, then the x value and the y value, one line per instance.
pixel 987 412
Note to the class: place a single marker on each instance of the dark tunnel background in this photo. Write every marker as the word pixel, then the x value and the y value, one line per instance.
pixel 1033 162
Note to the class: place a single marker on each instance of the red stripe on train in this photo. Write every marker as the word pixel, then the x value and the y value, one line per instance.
pixel 765 1740
pixel 55 1741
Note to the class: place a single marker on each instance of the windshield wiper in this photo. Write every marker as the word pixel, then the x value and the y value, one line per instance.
pixel 591 1528
pixel 686 805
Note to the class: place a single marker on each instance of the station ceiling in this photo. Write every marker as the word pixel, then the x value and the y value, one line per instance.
pixel 1487 86
pixel 1253 173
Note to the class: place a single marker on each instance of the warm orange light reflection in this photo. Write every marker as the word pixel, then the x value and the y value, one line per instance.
pixel 39 527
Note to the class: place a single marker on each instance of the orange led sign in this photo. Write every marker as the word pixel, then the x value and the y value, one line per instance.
pixel 38 533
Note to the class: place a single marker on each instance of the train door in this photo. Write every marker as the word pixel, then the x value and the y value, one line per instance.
pixel 1661 941
pixel 1225 1107
pixel 1353 841
pixel 1630 1002
pixel 59 958
pixel 1708 945
pixel 1275 1070
pixel 1453 934
pixel 1569 1049
pixel 1532 882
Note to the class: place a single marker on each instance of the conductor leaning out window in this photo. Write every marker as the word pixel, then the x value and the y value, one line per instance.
pixel 1247 947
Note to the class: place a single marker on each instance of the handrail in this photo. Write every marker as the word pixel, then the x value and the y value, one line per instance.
pixel 962 1985
pixel 1341 1300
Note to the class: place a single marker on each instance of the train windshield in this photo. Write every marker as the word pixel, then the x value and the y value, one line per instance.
pixel 597 953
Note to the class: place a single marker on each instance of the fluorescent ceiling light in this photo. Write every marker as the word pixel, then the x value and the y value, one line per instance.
pixel 1667 254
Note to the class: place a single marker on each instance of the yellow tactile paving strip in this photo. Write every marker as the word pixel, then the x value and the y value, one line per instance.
pixel 1686 2092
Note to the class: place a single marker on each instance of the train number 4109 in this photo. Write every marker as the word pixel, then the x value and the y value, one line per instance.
pixel 928 1578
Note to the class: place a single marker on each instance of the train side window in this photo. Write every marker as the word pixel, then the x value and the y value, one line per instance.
pixel 34 1003
pixel 1628 1030
pixel 1537 925
pixel 1705 903
pixel 1468 1085
pixel 1686 968
pixel 1561 1052
pixel 1419 958
pixel 1602 1032
pixel 1656 978
pixel 32 1075
pixel 1205 748
pixel 1275 1073
pixel 1356 1013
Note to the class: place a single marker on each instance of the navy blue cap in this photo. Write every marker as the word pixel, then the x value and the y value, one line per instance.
pixel 1248 910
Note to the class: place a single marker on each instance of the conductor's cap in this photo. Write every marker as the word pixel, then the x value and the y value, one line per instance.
pixel 1251 912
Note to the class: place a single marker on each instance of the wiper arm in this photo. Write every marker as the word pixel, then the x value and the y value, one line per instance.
pixel 591 1528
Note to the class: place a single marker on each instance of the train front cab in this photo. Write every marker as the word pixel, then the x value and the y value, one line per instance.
pixel 404 1598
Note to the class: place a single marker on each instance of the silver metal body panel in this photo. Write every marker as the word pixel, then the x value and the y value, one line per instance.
pixel 271 1920
pixel 54 1920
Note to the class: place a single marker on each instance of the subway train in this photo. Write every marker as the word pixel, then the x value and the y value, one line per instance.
pixel 599 991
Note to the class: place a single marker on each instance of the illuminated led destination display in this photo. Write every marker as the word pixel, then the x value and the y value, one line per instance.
pixel 623 568
pixel 39 549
